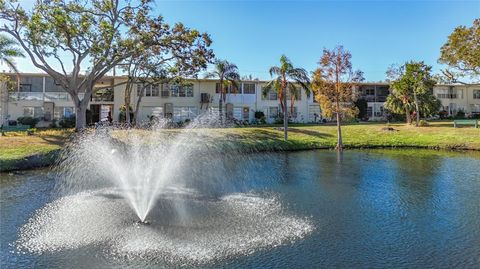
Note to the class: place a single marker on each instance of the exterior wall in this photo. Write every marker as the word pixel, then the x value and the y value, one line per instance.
pixel 456 98
pixel 40 96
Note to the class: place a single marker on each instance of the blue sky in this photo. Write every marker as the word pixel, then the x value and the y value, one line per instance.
pixel 253 34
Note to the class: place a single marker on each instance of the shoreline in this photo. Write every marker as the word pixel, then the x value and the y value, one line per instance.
pixel 20 151
pixel 49 159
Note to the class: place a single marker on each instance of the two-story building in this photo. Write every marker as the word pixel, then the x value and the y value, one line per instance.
pixel 457 98
pixel 39 96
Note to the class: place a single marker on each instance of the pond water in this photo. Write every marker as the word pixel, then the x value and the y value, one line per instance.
pixel 358 209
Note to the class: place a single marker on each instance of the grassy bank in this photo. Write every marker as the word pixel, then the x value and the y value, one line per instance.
pixel 17 150
pixel 21 151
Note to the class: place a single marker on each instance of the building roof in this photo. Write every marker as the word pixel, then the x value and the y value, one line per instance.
pixel 366 83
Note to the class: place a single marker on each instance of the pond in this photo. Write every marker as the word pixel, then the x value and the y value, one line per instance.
pixel 310 209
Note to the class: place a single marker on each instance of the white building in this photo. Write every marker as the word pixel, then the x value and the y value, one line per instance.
pixel 40 96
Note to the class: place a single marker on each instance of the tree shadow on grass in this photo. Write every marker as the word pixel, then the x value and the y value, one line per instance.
pixel 310 132
pixel 58 140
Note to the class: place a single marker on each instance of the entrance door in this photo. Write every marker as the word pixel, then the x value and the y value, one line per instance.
pixel 246 113
pixel 94 114
pixel 48 110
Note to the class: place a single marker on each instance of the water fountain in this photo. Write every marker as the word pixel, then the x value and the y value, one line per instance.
pixel 162 193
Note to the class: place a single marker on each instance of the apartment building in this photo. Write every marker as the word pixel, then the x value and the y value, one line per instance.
pixel 39 96
pixel 457 98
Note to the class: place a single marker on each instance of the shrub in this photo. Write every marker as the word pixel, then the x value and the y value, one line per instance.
pixel 443 114
pixel 259 115
pixel 475 116
pixel 28 121
pixel 31 131
pixel 278 120
pixel 423 123
pixel 53 124
pixel 67 122
pixel 460 114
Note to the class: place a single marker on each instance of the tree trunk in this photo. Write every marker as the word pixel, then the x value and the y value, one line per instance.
pixel 339 130
pixel 127 114
pixel 81 108
pixel 408 116
pixel 417 109
pixel 137 107
pixel 80 116
pixel 220 102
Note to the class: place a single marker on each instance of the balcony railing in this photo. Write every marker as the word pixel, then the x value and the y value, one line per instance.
pixel 378 98
pixel 57 96
pixel 447 95
pixel 26 96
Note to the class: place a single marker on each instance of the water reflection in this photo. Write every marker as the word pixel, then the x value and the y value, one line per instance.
pixel 370 209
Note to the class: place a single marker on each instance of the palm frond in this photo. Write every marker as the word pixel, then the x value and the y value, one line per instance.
pixel 275 70
pixel 11 64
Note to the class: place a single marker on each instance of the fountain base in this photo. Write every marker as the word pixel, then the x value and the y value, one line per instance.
pixel 145 222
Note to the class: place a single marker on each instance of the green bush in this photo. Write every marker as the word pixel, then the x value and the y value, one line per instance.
pixel 278 120
pixel 28 121
pixel 259 115
pixel 67 122
pixel 423 123
pixel 460 114
pixel 53 124
pixel 475 116
pixel 31 131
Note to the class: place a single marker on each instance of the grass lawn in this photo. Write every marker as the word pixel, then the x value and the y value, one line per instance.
pixel 15 147
pixel 438 135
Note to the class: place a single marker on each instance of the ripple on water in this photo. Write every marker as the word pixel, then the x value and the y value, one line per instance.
pixel 184 228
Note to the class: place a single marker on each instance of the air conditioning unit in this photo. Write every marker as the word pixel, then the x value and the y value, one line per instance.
pixel 205 97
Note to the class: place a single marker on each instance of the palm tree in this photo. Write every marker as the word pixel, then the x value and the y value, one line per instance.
pixel 9 50
pixel 228 75
pixel 287 78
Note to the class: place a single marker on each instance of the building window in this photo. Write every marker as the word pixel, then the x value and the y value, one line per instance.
pixel 298 94
pixel 369 91
pixel 149 90
pixel 63 112
pixel 155 90
pixel 369 111
pixel 181 90
pixel 295 112
pixel 25 87
pixel 273 112
pixel 248 88
pixel 184 112
pixel 476 94
pixel 450 94
pixel 271 95
pixel 229 89
pixel 33 111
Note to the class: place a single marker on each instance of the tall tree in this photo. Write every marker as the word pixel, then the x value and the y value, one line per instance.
pixel 461 52
pixel 228 76
pixel 411 91
pixel 333 83
pixel 188 53
pixel 77 42
pixel 287 77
